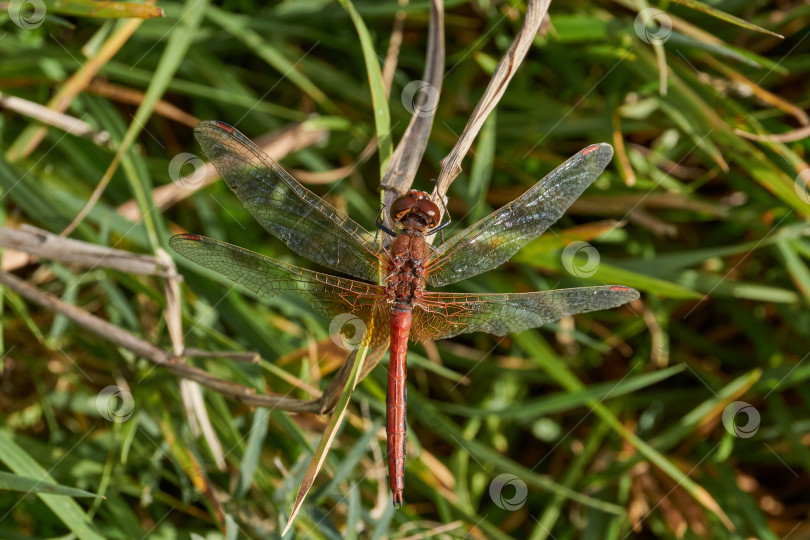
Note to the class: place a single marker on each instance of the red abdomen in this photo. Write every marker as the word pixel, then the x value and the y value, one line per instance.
pixel 396 400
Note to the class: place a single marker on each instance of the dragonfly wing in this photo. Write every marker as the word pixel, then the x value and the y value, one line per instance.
pixel 307 224
pixel 267 277
pixel 494 239
pixel 444 315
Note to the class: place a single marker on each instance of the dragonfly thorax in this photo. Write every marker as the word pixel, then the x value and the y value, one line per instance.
pixel 406 279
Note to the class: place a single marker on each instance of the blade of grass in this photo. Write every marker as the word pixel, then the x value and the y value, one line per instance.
pixel 177 45
pixel 702 120
pixel 607 273
pixel 401 169
pixel 236 27
pixel 103 10
pixel 346 466
pixel 451 164
pixel 710 408
pixel 481 169
pixel 448 431
pixel 572 474
pixel 796 268
pixel 32 135
pixel 321 451
pixel 790 431
pixel 727 17
pixel 133 75
pixel 559 371
pixel 14 482
pixel 250 459
pixel 66 509
pixel 748 508
pixel 532 409
pixel 720 285
pixel 382 118
pixel 670 264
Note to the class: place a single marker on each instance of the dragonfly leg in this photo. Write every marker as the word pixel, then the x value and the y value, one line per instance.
pixel 441 226
pixel 381 224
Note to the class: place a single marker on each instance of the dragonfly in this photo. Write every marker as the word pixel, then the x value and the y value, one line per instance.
pixel 390 293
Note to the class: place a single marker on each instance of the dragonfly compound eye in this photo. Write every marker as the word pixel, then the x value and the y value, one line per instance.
pixel 402 206
pixel 430 211
pixel 415 201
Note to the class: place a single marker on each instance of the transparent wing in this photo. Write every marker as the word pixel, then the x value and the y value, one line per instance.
pixel 444 315
pixel 307 224
pixel 328 295
pixel 494 239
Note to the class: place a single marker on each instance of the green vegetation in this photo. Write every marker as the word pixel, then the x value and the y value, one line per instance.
pixel 682 415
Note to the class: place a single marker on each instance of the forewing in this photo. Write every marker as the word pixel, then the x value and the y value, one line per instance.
pixel 494 239
pixel 307 224
pixel 444 315
pixel 267 277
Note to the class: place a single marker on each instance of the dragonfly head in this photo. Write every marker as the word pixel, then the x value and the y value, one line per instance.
pixel 415 204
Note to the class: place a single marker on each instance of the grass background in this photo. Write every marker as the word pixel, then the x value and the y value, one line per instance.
pixel 612 421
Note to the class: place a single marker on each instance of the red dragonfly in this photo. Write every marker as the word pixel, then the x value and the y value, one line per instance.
pixel 391 298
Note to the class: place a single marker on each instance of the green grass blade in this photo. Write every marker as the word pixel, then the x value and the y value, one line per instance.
pixel 250 459
pixel 102 10
pixel 448 431
pixel 237 27
pixel 727 17
pixel 382 118
pixel 560 373
pixel 607 273
pixel 66 509
pixel 13 482
pixel 319 457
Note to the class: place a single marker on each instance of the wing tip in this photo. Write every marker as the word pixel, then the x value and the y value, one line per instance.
pixel 176 242
pixel 603 150
pixel 588 150
pixel 627 294
pixel 186 236
pixel 215 125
